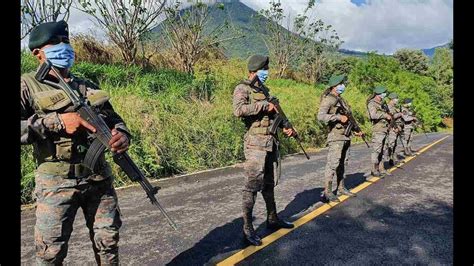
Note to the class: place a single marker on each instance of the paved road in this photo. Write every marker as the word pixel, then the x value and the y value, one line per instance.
pixel 407 216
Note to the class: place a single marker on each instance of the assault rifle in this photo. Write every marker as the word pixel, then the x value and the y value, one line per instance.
pixel 101 137
pixel 280 116
pixel 352 124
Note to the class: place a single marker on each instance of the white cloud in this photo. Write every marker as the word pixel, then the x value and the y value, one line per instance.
pixel 382 25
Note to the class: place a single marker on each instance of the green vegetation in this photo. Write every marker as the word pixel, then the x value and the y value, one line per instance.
pixel 183 123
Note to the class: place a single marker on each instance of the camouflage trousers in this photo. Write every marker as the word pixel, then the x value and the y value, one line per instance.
pixel 259 170
pixel 378 143
pixel 338 156
pixel 391 145
pixel 58 197
pixel 408 132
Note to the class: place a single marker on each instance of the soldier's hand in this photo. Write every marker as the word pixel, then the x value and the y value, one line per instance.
pixel 388 117
pixel 359 134
pixel 343 119
pixel 119 141
pixel 289 132
pixel 271 107
pixel 72 122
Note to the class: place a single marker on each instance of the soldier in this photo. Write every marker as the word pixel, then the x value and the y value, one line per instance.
pixel 59 137
pixel 260 148
pixel 409 121
pixel 391 142
pixel 380 119
pixel 329 113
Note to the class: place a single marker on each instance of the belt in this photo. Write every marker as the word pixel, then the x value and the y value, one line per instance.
pixel 78 171
pixel 259 131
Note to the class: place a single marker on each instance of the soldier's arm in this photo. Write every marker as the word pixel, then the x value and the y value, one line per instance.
pixel 374 112
pixel 241 104
pixel 323 114
pixel 35 126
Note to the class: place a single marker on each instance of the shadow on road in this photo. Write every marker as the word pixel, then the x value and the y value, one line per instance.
pixel 381 235
pixel 225 240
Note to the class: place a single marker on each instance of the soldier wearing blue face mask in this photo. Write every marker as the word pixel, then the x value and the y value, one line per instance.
pixel 338 143
pixel 380 120
pixel 63 184
pixel 260 148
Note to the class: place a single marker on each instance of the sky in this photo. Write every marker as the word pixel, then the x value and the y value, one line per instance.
pixel 383 26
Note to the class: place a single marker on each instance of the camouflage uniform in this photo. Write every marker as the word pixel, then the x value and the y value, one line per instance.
pixel 338 143
pixel 393 133
pixel 379 132
pixel 63 183
pixel 409 124
pixel 260 149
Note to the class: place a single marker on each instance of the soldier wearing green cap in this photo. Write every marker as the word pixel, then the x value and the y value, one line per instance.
pixel 380 120
pixel 260 148
pixel 59 138
pixel 394 132
pixel 409 121
pixel 338 143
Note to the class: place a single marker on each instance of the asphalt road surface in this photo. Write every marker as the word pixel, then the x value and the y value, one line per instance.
pixel 405 218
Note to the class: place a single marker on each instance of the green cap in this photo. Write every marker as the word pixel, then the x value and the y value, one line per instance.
pixel 407 100
pixel 49 32
pixel 257 62
pixel 335 80
pixel 380 89
pixel 393 95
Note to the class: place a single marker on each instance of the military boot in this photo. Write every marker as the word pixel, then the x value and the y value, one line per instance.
pixel 407 152
pixel 344 191
pixel 375 170
pixel 382 170
pixel 273 222
pixel 249 233
pixel 328 194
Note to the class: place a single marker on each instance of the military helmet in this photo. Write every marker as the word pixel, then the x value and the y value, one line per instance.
pixel 393 95
pixel 48 33
pixel 336 80
pixel 379 89
pixel 257 62
pixel 407 100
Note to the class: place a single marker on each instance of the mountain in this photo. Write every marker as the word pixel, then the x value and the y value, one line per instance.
pixel 430 51
pixel 240 18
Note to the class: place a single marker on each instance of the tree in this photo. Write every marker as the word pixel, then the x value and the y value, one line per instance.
pixel 441 70
pixel 34 12
pixel 125 21
pixel 187 34
pixel 303 35
pixel 411 60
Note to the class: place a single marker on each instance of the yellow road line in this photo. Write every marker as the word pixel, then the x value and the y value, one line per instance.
pixel 246 252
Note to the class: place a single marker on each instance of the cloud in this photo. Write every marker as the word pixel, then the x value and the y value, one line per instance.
pixel 382 25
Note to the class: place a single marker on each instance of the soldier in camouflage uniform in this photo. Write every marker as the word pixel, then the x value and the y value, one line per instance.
pixel 59 136
pixel 409 121
pixel 260 148
pixel 393 133
pixel 380 119
pixel 338 143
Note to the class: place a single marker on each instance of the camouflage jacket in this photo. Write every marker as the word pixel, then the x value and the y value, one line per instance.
pixel 408 117
pixel 253 109
pixel 377 116
pixel 329 113
pixel 42 126
pixel 392 108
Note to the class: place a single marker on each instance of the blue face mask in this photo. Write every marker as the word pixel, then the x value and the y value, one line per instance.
pixel 262 75
pixel 340 88
pixel 61 55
